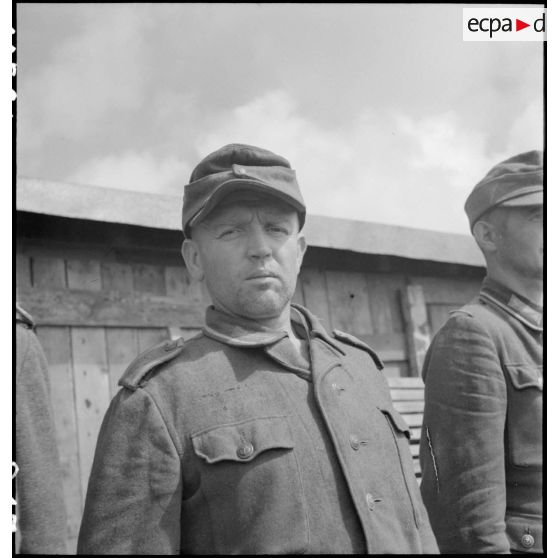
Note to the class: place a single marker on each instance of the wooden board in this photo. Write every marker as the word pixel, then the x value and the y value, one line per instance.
pixel 117 277
pixel 313 284
pixel 298 297
pixel 417 327
pixel 408 383
pixel 122 349
pixel 23 271
pixel 413 420
pixel 413 406
pixel 48 273
pixel 149 278
pixel 56 345
pixel 84 275
pixel 108 308
pixel 177 282
pixel 406 394
pixel 91 391
pixel 348 302
pixel 385 307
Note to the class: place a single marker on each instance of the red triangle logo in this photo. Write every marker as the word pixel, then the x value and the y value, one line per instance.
pixel 519 25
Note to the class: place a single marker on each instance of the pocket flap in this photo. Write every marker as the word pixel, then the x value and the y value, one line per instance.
pixel 523 376
pixel 396 420
pixel 243 441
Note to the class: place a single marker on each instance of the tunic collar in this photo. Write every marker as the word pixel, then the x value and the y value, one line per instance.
pixel 241 332
pixel 519 307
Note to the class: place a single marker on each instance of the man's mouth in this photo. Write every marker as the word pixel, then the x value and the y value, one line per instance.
pixel 264 274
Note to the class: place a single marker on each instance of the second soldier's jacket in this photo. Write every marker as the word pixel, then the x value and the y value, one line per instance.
pixel 481 447
pixel 231 442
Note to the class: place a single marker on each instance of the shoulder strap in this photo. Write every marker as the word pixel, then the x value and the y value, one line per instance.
pixel 144 363
pixel 23 318
pixel 356 342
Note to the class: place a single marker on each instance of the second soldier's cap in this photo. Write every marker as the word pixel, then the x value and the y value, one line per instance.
pixel 238 167
pixel 517 181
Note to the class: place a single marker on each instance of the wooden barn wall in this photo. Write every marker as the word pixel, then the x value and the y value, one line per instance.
pixel 96 311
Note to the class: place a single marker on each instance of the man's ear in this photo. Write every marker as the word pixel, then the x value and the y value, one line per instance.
pixel 301 249
pixel 486 234
pixel 191 255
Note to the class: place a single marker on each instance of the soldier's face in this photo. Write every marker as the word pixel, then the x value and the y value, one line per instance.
pixel 520 241
pixel 249 250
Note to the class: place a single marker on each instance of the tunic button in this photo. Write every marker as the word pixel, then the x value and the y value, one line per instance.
pixel 336 387
pixel 371 501
pixel 170 345
pixel 245 450
pixel 527 541
pixel 354 441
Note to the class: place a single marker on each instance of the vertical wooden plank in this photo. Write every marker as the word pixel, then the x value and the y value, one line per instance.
pixel 177 282
pixel 298 296
pixel 147 337
pixel 92 391
pixel 48 272
pixel 149 279
pixel 313 283
pixel 56 345
pixel 23 271
pixel 417 328
pixel 84 275
pixel 117 277
pixel 122 348
pixel 385 306
pixel 348 302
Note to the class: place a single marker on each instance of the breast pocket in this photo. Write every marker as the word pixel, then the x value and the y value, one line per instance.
pixel 251 482
pixel 524 421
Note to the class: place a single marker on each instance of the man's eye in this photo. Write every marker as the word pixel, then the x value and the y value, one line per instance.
pixel 229 233
pixel 277 229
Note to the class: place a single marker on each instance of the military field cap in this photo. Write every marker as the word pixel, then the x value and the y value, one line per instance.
pixel 517 181
pixel 238 167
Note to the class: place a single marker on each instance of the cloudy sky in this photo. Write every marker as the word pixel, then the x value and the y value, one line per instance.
pixel 382 109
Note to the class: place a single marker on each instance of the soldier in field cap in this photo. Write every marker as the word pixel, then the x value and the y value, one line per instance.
pixel 481 446
pixel 264 434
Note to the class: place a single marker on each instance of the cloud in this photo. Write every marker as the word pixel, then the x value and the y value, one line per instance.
pixel 134 171
pixel 88 77
pixel 382 166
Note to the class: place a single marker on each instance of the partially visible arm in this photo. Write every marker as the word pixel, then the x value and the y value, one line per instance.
pixel 462 445
pixel 40 507
pixel 134 494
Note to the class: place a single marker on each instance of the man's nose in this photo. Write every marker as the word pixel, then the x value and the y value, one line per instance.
pixel 258 244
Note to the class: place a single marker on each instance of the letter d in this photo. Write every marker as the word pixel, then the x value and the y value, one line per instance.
pixel 536 24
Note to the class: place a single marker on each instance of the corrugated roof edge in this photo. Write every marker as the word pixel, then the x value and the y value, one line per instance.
pixel 94 203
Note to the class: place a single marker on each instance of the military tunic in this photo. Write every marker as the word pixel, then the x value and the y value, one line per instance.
pixel 40 510
pixel 238 445
pixel 481 445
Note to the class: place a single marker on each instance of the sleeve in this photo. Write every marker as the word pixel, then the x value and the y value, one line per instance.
pixel 40 510
pixel 462 445
pixel 133 500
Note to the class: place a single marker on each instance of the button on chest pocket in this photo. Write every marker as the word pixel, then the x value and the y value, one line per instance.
pixel 251 482
pixel 524 415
